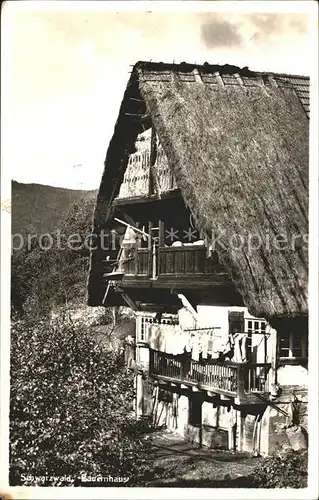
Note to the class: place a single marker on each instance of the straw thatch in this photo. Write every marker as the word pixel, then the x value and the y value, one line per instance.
pixel 237 143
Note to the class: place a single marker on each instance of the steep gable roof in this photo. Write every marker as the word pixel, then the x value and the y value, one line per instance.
pixel 237 143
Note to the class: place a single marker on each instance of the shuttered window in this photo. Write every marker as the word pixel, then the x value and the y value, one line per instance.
pixel 292 345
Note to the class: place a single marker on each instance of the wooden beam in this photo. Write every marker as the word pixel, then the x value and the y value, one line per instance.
pixel 224 397
pixel 140 115
pixel 188 304
pixel 154 183
pixel 137 100
pixel 175 193
pixel 130 302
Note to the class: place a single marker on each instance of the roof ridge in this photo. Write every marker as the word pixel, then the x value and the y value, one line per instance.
pixel 244 71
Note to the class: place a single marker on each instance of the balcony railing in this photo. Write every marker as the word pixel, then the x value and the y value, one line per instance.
pixel 226 377
pixel 165 261
pixel 186 260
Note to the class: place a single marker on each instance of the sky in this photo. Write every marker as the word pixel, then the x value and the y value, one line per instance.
pixel 65 70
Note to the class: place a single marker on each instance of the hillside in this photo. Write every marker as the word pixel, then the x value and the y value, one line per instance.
pixel 38 209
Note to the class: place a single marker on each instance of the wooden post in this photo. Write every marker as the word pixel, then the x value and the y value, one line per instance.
pixel 155 405
pixel 161 233
pixel 136 258
pixel 139 396
pixel 153 260
pixel 241 374
pixel 161 238
pixel 265 348
pixel 239 443
pixel 151 368
pixel 149 246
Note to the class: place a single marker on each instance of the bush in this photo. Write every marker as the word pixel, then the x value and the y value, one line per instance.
pixel 70 409
pixel 289 470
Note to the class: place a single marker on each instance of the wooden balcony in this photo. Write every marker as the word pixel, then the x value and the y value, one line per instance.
pixel 241 381
pixel 179 265
pixel 158 274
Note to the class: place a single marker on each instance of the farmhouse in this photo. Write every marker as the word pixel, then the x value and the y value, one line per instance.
pixel 201 228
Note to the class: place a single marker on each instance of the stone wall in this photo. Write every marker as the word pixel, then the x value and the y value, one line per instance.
pixel 277 417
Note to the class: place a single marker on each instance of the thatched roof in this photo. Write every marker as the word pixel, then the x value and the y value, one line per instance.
pixel 237 143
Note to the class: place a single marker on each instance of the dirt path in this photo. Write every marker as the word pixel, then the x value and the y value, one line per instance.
pixel 176 463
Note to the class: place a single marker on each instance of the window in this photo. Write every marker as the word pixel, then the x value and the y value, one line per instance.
pixel 143 322
pixel 255 326
pixel 293 346
pixel 143 333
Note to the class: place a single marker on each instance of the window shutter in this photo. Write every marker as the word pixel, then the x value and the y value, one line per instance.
pixel 236 321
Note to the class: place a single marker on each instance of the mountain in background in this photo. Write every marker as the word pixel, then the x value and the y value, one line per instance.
pixel 38 209
pixel 53 281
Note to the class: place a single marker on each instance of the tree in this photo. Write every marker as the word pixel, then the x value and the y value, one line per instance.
pixel 71 408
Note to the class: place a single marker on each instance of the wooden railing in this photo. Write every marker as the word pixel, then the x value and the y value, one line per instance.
pixel 185 260
pixel 139 263
pixel 225 376
pixel 256 377
pixel 214 374
pixel 171 261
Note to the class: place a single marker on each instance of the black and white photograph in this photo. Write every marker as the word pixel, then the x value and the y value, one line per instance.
pixel 159 289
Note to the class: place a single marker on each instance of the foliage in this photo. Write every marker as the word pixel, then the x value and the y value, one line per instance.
pixel 288 470
pixel 44 277
pixel 38 209
pixel 71 409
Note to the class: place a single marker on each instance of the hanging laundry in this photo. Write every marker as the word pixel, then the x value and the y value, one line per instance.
pixel 169 336
pixel 162 338
pixel 174 342
pixel 188 342
pixel 153 341
pixel 237 350
pixel 210 346
pixel 157 339
pixel 148 327
pixel 215 348
pixel 240 348
pixel 195 351
pixel 243 348
pixel 178 340
pixel 205 344
pixel 221 336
